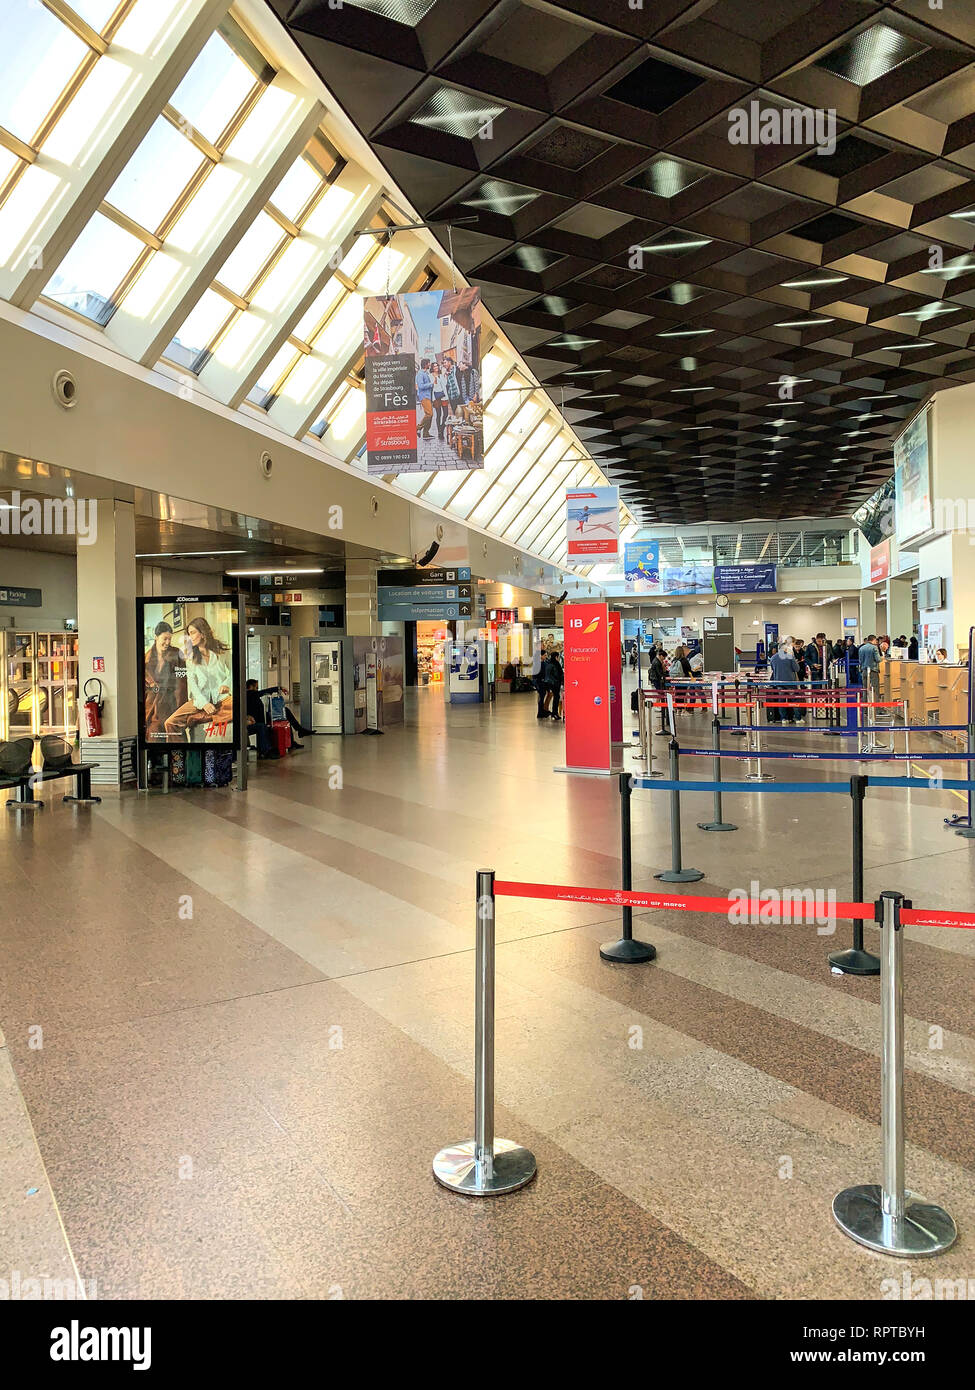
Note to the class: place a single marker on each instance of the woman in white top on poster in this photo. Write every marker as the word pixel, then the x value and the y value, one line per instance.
pixel 209 683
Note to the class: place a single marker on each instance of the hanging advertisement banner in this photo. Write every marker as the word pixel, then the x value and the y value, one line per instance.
pixel 880 561
pixel 423 381
pixel 587 708
pixel 912 480
pixel 693 577
pixel 744 579
pixel 641 567
pixel 615 679
pixel 593 521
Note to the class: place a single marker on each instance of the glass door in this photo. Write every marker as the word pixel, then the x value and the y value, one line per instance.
pixel 20 684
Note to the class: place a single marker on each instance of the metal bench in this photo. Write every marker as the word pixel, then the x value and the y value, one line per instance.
pixel 25 800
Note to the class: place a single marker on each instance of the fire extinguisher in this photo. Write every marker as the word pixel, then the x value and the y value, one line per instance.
pixel 94 704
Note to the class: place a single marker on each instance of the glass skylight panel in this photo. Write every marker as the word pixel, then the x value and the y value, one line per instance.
pixel 296 189
pixel 97 13
pixel 279 365
pixel 321 306
pixel 155 176
pixel 93 268
pixel 39 57
pixel 214 89
pixel 200 328
pixel 240 269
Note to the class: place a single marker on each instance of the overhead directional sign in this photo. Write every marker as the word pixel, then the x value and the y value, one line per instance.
pixel 422 593
pixel 459 574
pixel 423 612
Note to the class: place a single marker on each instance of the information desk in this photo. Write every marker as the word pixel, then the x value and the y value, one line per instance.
pixel 935 694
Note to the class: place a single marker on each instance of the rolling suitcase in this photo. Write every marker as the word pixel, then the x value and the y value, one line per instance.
pixel 281 733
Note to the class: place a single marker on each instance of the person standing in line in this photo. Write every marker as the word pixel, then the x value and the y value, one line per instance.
pixel 912 649
pixel 868 660
pixel 538 681
pixel 658 680
pixel 553 679
pixel 785 672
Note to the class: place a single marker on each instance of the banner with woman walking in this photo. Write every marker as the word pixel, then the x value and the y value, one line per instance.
pixel 188 666
pixel 424 410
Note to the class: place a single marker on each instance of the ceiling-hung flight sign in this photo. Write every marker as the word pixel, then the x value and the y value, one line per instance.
pixel 424 410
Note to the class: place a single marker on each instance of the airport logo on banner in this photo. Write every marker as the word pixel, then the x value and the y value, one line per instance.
pixel 593 521
pixel 424 410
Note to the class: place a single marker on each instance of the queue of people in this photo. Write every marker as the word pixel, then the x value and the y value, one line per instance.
pixel 548 678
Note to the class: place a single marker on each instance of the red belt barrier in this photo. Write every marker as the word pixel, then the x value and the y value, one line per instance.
pixel 618 897
pixel 918 917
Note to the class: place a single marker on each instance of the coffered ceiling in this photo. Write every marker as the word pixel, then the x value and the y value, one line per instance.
pixel 737 329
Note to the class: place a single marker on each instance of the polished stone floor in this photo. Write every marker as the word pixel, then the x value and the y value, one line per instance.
pixel 256 1017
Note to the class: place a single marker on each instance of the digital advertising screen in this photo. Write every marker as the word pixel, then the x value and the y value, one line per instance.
pixel 188 672
pixel 912 480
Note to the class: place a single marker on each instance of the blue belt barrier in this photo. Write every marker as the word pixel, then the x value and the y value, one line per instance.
pixel 922 783
pixel 822 757
pixel 863 729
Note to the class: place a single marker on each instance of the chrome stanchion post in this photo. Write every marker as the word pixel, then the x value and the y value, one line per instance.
pixel 967 832
pixel 484 1166
pixel 758 775
pixel 886 1217
pixel 907 729
pixel 717 822
pixel 857 960
pixel 676 873
pixel 626 950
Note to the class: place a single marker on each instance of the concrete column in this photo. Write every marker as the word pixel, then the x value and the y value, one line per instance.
pixel 900 613
pixel 106 630
pixel 361 597
pixel 868 614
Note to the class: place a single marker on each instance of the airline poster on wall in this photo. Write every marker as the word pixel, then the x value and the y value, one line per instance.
pixel 423 381
pixel 593 521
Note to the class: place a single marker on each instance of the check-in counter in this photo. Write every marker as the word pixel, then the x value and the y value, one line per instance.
pixel 935 694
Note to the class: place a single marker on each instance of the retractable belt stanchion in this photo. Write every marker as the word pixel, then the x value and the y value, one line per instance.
pixel 717 822
pixel 886 1217
pixel 907 730
pixel 756 721
pixel 484 1166
pixel 738 733
pixel 676 873
pixel 626 950
pixel 856 960
pixel 967 832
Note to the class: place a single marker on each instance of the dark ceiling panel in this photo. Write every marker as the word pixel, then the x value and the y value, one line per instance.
pixel 743 327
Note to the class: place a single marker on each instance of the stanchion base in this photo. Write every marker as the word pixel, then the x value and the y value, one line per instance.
pixel 627 951
pixel 966 832
pixel 853 962
pixel 716 825
pixel 924 1228
pixel 680 875
pixel 455 1168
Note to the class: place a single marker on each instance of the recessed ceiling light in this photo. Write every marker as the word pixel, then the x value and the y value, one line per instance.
pixel 273 569
pixel 903 347
pixel 803 323
pixel 685 332
pixel 813 284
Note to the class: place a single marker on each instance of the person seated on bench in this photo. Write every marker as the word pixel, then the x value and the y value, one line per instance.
pixel 257 723
pixel 295 725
